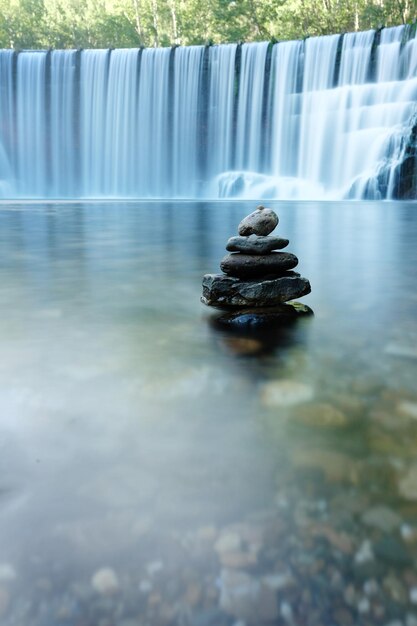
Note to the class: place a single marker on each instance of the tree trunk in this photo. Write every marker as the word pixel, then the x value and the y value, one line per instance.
pixel 138 21
pixel 173 9
pixel 155 23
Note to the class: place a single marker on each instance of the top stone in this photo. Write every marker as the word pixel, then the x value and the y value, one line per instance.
pixel 260 222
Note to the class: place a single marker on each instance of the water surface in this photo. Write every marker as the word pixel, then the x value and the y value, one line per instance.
pixel 131 429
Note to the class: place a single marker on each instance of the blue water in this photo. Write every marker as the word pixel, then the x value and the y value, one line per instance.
pixel 122 407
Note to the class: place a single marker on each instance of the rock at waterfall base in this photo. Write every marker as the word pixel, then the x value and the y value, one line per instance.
pixel 225 291
pixel 258 266
pixel 256 244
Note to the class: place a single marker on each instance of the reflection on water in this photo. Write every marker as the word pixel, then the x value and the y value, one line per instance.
pixel 215 477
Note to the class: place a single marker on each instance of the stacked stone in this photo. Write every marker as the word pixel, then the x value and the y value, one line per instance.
pixel 255 274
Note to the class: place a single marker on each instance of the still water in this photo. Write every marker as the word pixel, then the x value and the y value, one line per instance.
pixel 155 470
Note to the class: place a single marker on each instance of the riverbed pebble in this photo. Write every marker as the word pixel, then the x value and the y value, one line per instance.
pixel 408 484
pixel 285 393
pixel 105 581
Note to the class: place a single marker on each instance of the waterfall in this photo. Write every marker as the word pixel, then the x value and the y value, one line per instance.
pixel 326 118
pixel 31 124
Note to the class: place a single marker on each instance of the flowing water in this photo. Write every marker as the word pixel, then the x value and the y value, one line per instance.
pixel 137 436
pixel 289 121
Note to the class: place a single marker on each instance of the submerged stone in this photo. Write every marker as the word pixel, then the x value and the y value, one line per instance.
pixel 321 415
pixel 285 393
pixel 260 222
pixel 256 244
pixel 256 266
pixel 224 291
pixel 261 317
pixel 408 484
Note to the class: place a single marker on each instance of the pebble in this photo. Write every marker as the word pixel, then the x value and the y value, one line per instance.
pixel 342 617
pixel 383 518
pixel 238 560
pixel 286 612
pixel 393 551
pixel 370 587
pixel 364 606
pixel 105 581
pixel 261 222
pixel 285 393
pixel 277 582
pixel 408 533
pixel 321 415
pixel 407 485
pixel 350 595
pixel 228 542
pixel 401 350
pixel 408 409
pixel 395 589
pixel 242 346
pixel 336 466
pixel 244 597
pixel 365 553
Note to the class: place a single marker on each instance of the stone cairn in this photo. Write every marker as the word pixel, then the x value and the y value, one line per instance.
pixel 256 278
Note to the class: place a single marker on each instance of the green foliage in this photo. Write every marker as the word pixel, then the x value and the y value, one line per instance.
pixel 131 23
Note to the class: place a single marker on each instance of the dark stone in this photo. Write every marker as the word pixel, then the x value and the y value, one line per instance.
pixel 211 617
pixel 260 222
pixel 405 176
pixel 393 551
pixel 405 187
pixel 255 244
pixel 225 291
pixel 260 318
pixel 258 266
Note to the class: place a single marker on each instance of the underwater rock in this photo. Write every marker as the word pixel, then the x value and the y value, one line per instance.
pixel 260 222
pixel 105 581
pixel 392 551
pixel 256 244
pixel 246 598
pixel 337 467
pixel 408 484
pixel 262 317
pixel 382 518
pixel 321 415
pixel 257 266
pixel 223 291
pixel 285 393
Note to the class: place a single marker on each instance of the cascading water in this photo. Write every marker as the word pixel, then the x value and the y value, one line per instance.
pixel 328 117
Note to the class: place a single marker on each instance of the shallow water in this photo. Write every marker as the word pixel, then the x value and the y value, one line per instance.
pixel 129 425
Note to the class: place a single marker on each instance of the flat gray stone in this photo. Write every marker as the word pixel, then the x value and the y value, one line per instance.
pixel 383 518
pixel 257 265
pixel 256 244
pixel 221 291
pixel 260 222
